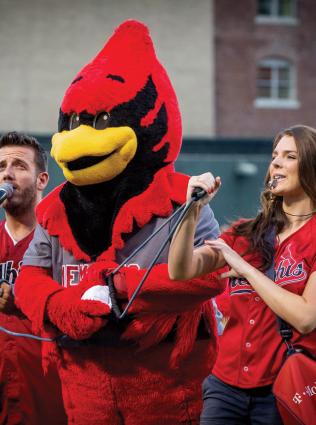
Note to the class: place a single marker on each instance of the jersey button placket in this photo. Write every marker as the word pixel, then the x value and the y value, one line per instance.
pixel 254 304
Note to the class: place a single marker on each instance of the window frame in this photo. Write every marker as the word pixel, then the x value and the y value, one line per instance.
pixel 275 18
pixel 274 101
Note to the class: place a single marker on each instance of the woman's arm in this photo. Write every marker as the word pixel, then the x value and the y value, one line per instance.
pixel 297 310
pixel 185 262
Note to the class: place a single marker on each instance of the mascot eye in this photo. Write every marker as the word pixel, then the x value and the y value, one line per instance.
pixel 101 121
pixel 74 121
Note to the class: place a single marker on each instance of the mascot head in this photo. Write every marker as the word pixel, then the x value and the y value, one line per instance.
pixel 120 114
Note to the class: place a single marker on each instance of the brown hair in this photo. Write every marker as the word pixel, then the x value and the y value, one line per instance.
pixel 271 215
pixel 14 138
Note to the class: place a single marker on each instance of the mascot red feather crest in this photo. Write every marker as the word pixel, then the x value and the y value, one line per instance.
pixel 123 88
pixel 119 135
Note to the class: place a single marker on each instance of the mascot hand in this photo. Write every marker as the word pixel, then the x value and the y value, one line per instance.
pixel 120 285
pixel 98 293
pixel 77 318
pixel 98 272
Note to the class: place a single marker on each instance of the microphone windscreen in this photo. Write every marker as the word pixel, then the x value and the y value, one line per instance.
pixel 6 191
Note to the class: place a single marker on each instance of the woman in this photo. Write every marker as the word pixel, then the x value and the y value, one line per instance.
pixel 251 350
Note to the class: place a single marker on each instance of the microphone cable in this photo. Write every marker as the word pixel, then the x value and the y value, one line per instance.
pixel 197 194
pixel 181 212
pixel 19 334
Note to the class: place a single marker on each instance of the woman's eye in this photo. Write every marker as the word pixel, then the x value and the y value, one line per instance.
pixel 101 121
pixel 74 121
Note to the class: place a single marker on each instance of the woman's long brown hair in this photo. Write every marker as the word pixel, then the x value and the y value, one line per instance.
pixel 271 216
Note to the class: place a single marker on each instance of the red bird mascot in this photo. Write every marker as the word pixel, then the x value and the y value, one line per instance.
pixel 119 135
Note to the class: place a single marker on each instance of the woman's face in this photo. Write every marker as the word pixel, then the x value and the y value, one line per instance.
pixel 284 169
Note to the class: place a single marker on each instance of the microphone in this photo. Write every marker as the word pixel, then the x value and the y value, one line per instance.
pixel 6 191
pixel 198 193
pixel 272 184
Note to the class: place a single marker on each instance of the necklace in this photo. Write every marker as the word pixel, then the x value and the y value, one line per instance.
pixel 299 215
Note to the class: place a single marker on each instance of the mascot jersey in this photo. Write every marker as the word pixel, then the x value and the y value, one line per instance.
pixel 119 135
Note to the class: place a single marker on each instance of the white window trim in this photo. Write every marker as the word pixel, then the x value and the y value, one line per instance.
pixel 276 20
pixel 275 102
pixel 265 103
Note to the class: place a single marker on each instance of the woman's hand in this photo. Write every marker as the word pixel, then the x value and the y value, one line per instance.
pixel 206 182
pixel 239 267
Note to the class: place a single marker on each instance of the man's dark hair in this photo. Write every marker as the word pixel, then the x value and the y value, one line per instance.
pixel 14 138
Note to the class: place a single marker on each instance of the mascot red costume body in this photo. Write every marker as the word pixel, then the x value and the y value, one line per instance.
pixel 119 135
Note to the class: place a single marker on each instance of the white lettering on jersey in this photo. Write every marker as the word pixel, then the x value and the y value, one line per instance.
pixel 240 286
pixel 8 272
pixel 288 271
pixel 72 274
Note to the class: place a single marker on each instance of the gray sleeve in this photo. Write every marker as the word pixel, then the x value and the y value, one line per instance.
pixel 39 252
pixel 207 227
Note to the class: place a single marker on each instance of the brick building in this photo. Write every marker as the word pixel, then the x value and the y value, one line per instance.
pixel 265 66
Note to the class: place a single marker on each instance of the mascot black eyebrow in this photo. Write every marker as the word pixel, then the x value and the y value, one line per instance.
pixel 118 138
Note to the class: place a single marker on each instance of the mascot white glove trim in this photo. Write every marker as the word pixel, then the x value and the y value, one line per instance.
pixel 98 293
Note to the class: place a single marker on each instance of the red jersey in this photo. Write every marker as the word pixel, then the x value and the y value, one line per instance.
pixel 11 254
pixel 26 396
pixel 251 349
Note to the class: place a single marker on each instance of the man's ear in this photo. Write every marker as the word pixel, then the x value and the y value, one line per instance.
pixel 42 180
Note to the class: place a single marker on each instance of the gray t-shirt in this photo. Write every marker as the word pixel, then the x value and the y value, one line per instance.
pixel 46 251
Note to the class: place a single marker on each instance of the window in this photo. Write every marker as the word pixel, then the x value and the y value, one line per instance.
pixel 276 11
pixel 276 84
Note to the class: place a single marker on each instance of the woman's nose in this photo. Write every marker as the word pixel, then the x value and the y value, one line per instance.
pixel 276 162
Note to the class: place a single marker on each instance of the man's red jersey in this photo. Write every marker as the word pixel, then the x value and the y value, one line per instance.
pixel 26 396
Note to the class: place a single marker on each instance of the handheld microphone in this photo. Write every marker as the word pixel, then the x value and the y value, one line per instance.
pixel 272 184
pixel 6 191
pixel 198 193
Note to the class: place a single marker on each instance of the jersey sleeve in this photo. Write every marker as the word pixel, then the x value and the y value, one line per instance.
pixel 228 236
pixel 207 227
pixel 39 251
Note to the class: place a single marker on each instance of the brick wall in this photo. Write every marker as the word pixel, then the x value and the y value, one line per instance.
pixel 239 43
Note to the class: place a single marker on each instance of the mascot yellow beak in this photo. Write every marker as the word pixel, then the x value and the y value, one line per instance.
pixel 89 156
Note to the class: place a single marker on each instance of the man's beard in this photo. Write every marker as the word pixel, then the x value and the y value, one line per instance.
pixel 23 204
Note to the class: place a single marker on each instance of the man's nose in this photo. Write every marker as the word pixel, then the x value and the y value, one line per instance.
pixel 8 173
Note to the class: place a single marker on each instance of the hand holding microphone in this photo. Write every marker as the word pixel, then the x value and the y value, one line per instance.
pixel 6 298
pixel 203 188
pixel 6 192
